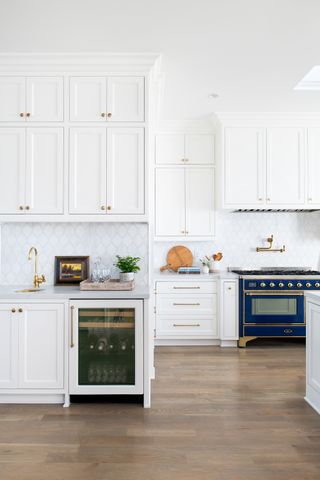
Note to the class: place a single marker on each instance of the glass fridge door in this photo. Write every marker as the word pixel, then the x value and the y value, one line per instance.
pixel 106 354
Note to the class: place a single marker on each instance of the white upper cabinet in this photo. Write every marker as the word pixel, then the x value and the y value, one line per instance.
pixel 244 166
pixel 88 171
pixel 12 99
pixel 111 99
pixel 44 100
pixel 184 149
pixel 170 202
pixel 313 170
pixel 125 171
pixel 285 166
pixel 199 201
pixel 13 170
pixel 44 171
pixel 31 99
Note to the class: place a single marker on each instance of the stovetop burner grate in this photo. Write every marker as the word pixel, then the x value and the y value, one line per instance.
pixel 277 272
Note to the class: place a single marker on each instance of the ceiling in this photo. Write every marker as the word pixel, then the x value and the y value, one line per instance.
pixel 251 52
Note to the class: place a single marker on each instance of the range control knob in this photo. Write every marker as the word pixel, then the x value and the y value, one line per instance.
pixel 299 284
pixel 317 284
pixel 262 284
pixel 272 284
pixel 281 284
pixel 290 284
pixel 308 284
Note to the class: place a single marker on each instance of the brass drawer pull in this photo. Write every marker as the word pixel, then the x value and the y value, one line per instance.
pixel 189 288
pixel 186 324
pixel 71 338
pixel 109 115
pixel 13 310
pixel 21 114
pixel 196 304
pixel 20 310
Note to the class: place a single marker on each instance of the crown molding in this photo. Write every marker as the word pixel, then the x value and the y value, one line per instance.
pixel 266 118
pixel 72 62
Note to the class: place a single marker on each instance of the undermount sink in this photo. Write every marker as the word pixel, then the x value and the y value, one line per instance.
pixel 28 290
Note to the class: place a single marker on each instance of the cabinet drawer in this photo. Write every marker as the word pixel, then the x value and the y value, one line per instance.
pixel 187 326
pixel 186 287
pixel 186 304
pixel 275 331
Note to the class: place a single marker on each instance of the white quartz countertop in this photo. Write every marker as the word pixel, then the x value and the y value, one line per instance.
pixel 313 296
pixel 169 276
pixel 69 292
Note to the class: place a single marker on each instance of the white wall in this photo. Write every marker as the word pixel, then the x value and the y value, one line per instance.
pixel 94 239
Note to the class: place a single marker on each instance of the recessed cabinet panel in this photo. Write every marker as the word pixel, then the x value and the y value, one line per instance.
pixel 170 149
pixel 229 310
pixel 244 167
pixel 199 149
pixel 44 100
pixel 125 171
pixel 44 171
pixel 170 202
pixel 199 201
pixel 12 167
pixel 313 193
pixel 8 347
pixel 285 166
pixel 125 99
pixel 88 171
pixel 41 336
pixel 12 99
pixel 88 102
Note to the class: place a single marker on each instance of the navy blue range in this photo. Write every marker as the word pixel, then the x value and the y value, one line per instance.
pixel 271 302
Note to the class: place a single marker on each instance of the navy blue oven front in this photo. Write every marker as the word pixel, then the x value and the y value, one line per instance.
pixel 270 314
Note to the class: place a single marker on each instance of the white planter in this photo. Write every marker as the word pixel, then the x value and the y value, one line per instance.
pixel 126 277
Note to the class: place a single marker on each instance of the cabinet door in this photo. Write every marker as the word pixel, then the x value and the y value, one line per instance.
pixel 125 99
pixel 41 345
pixel 87 189
pixel 12 99
pixel 229 310
pixel 312 347
pixel 285 166
pixel 199 149
pixel 199 201
pixel 244 166
pixel 44 171
pixel 125 171
pixel 88 101
pixel 12 167
pixel 170 149
pixel 8 347
pixel 44 99
pixel 170 202
pixel 313 193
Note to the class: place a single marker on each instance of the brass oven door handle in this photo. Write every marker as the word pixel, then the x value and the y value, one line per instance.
pixel 71 333
pixel 281 294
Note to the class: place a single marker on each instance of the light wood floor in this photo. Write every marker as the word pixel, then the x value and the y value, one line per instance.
pixel 224 414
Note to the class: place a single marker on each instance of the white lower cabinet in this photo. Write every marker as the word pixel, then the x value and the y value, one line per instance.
pixel 229 316
pixel 313 357
pixel 32 349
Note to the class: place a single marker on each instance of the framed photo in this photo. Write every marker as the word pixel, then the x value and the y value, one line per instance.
pixel 71 270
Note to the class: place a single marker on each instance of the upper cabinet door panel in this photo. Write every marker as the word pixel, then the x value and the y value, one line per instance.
pixel 285 166
pixel 244 166
pixel 125 171
pixel 88 101
pixel 12 99
pixel 199 149
pixel 125 99
pixel 44 101
pixel 87 171
pixel 12 168
pixel 313 194
pixel 170 202
pixel 170 149
pixel 200 201
pixel 44 171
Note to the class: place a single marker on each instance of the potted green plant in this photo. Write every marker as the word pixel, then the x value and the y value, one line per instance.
pixel 128 267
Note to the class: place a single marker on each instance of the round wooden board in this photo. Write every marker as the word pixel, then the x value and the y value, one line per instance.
pixel 178 256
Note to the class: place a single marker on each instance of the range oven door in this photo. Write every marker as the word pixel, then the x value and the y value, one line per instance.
pixel 274 308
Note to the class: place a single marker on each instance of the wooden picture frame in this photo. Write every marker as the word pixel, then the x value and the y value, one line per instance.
pixel 71 270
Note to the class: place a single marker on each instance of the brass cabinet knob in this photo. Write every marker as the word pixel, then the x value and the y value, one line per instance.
pixel 13 310
pixel 182 159
pixel 186 159
pixel 187 232
pixel 109 207
pixel 28 114
pixel 27 207
pixel 260 199
pixel 109 115
pixel 21 207
pixel 103 207
pixel 268 199
pixel 103 114
pixel 20 310
pixel 21 114
pixel 182 231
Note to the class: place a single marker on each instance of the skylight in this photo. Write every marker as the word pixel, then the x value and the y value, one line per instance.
pixel 311 81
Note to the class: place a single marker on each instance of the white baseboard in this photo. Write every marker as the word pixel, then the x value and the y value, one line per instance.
pixel 184 342
pixel 31 398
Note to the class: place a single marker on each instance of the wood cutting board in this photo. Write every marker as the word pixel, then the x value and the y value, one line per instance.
pixel 178 256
